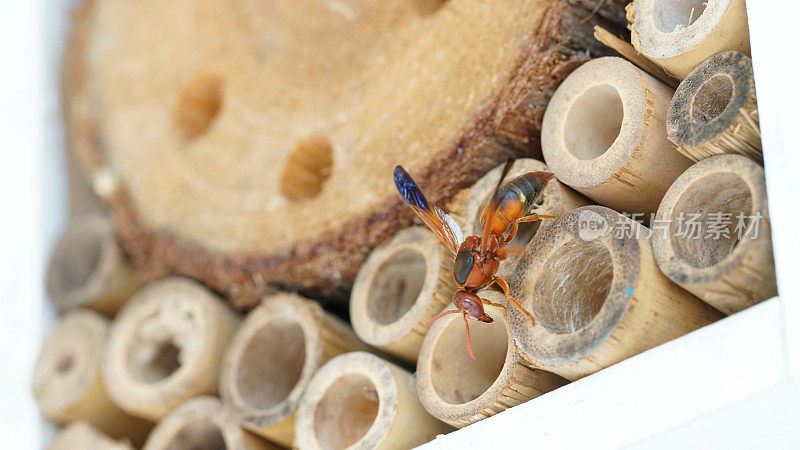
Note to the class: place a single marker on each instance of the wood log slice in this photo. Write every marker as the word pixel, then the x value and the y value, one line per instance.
pixel 251 144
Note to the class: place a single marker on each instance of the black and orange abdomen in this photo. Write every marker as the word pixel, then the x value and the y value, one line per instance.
pixel 513 200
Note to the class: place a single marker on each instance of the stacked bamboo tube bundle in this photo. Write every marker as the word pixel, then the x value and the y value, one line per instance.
pixel 81 435
pixel 271 359
pixel 592 283
pixel 401 285
pixel 68 384
pixel 360 401
pixel 88 269
pixel 604 134
pixel 679 34
pixel 725 258
pixel 202 423
pixel 714 109
pixel 459 390
pixel 166 345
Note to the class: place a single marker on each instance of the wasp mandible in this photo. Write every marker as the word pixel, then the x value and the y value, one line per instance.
pixel 476 259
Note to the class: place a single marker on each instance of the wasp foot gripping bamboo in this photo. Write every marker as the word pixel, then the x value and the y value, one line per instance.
pixel 598 297
pixel 604 135
pixel 81 435
pixel 401 285
pixel 716 240
pixel 67 381
pixel 714 110
pixel 88 269
pixel 166 345
pixel 271 359
pixel 679 34
pixel 459 390
pixel 360 401
pixel 202 423
pixel 467 206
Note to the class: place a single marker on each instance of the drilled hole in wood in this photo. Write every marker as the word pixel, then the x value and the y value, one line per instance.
pixel 594 121
pixel 199 435
pixel 346 412
pixel 427 7
pixel 396 285
pixel 455 376
pixel 271 364
pixel 712 98
pixel 574 288
pixel 703 226
pixel 307 168
pixel 199 104
pixel 669 15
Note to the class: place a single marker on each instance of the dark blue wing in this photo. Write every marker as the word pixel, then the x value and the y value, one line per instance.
pixel 411 193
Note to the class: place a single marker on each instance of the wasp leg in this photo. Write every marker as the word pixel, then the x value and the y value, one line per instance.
pixel 504 286
pixel 531 218
pixel 491 303
pixel 469 339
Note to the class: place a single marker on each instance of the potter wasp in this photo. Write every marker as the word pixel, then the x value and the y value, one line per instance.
pixel 476 259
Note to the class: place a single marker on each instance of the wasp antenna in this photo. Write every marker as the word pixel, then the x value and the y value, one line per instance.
pixel 469 339
pixel 439 316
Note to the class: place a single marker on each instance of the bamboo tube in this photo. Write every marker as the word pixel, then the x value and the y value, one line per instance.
pixel 67 382
pixel 604 135
pixel 625 49
pixel 166 345
pixel 467 206
pixel 88 269
pixel 202 423
pixel 714 110
pixel 459 390
pixel 360 401
pixel 400 286
pixel 592 284
pixel 81 435
pixel 271 359
pixel 728 261
pixel 679 34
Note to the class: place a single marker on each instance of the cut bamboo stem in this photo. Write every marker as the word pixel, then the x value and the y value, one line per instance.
pixel 467 206
pixel 400 286
pixel 679 34
pixel 67 379
pixel 87 268
pixel 604 135
pixel 166 346
pixel 459 390
pixel 598 297
pixel 81 435
pixel 360 401
pixel 626 49
pixel 714 110
pixel 726 259
pixel 203 423
pixel 271 359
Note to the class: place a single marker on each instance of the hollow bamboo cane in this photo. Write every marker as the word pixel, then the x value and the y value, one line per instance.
pixel 400 286
pixel 679 34
pixel 604 135
pixel 81 435
pixel 726 258
pixel 271 359
pixel 598 297
pixel 203 423
pixel 459 390
pixel 67 379
pixel 166 346
pixel 88 269
pixel 714 110
pixel 360 401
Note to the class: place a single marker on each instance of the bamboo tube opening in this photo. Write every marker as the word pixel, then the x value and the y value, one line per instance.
pixel 396 285
pixel 670 15
pixel 595 119
pixel 166 346
pixel 712 98
pixel 199 104
pixel 718 242
pixel 88 269
pixel 307 169
pixel 565 307
pixel 346 411
pixel 81 435
pixel 203 434
pixel 428 7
